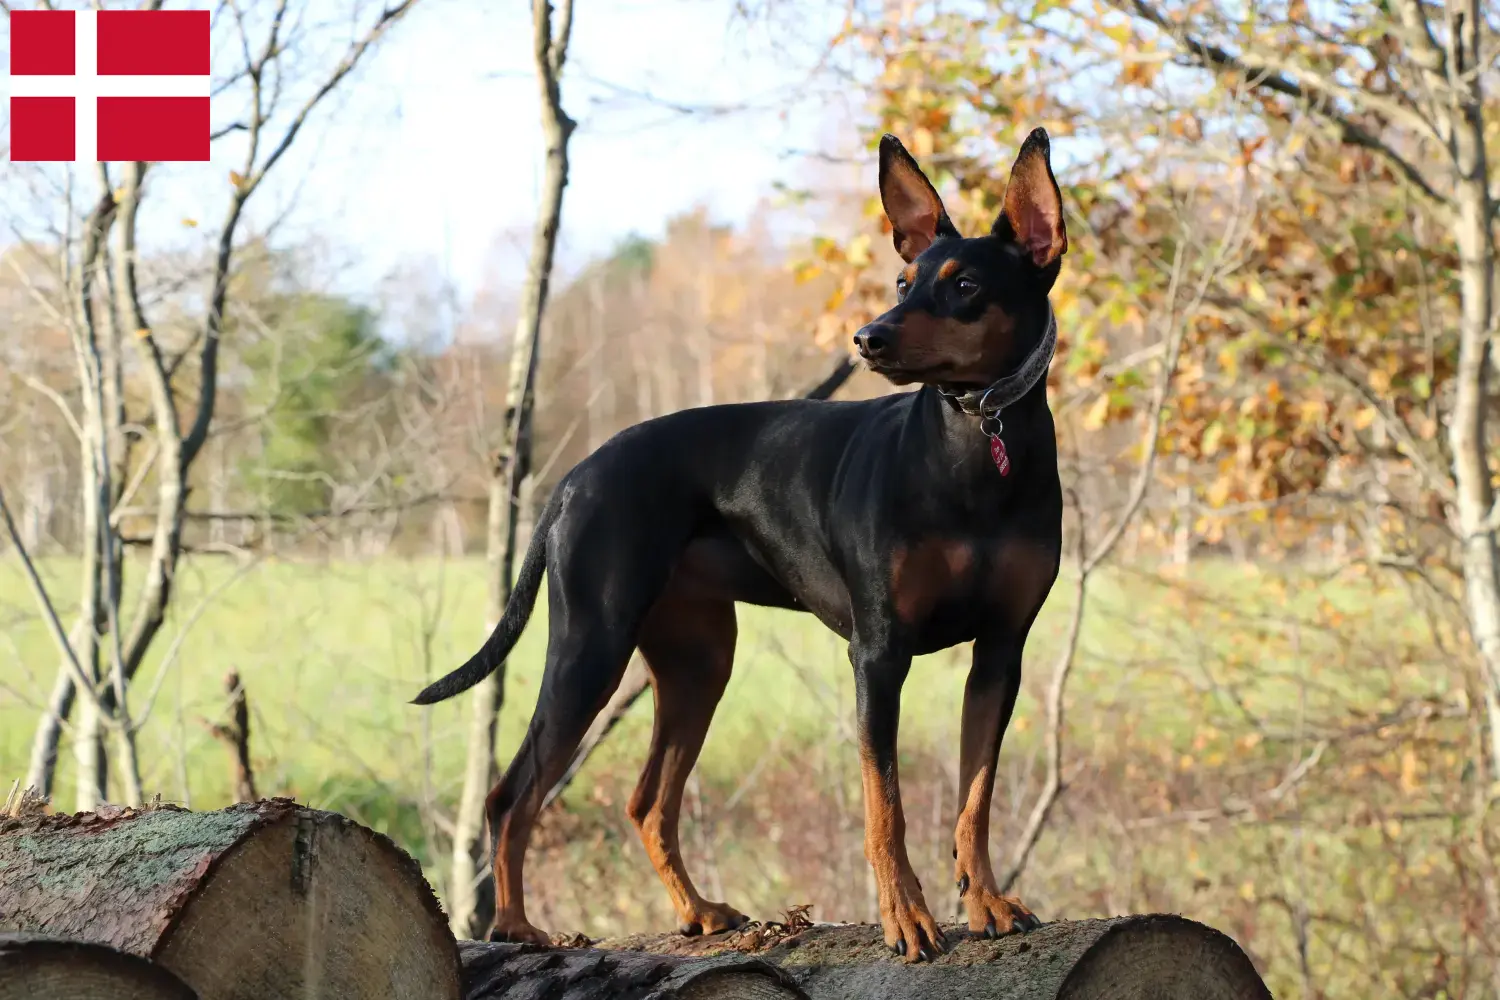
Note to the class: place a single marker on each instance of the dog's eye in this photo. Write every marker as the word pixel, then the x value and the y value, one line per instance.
pixel 900 286
pixel 967 287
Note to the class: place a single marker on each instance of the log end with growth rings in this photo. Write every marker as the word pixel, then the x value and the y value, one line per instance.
pixel 263 899
pixel 35 965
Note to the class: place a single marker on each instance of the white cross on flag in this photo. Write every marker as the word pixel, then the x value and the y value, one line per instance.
pixel 109 85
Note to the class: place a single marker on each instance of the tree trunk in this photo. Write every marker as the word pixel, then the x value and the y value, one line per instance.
pixel 88 744
pixel 467 915
pixel 106 359
pixel 468 912
pixel 91 763
pixel 90 758
pixel 41 771
pixel 33 965
pixel 1159 956
pixel 1474 492
pixel 254 901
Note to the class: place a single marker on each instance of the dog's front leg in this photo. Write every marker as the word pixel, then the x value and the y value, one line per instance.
pixel 989 699
pixel 908 925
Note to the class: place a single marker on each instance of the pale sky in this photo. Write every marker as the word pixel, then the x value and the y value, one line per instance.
pixel 434 149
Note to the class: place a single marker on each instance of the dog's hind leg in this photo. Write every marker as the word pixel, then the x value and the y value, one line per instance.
pixel 596 603
pixel 580 676
pixel 688 644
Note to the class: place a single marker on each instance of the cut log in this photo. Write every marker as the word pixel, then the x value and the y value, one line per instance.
pixel 34 965
pixel 1160 957
pixel 516 971
pixel 263 899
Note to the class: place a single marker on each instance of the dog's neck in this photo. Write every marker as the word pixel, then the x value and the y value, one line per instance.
pixel 956 438
pixel 989 400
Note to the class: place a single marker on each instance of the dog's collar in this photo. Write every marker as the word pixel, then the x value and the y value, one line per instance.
pixel 987 403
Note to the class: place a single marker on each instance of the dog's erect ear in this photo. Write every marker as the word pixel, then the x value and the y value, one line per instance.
pixel 914 208
pixel 1032 214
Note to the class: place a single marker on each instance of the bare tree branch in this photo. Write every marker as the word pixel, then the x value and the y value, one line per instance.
pixel 249 180
pixel 57 400
pixel 1317 93
pixel 81 680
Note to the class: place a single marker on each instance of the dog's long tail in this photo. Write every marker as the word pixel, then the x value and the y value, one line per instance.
pixel 517 612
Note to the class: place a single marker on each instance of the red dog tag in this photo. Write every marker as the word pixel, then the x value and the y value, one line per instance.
pixel 997 452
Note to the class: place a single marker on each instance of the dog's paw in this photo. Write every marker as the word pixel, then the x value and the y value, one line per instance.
pixel 710 918
pixel 991 914
pixel 910 930
pixel 517 930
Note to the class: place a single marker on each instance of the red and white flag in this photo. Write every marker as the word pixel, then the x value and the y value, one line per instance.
pixel 109 85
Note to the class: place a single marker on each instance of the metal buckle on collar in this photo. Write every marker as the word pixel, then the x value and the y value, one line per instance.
pixel 987 408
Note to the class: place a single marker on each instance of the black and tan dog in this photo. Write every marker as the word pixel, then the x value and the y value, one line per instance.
pixel 907 524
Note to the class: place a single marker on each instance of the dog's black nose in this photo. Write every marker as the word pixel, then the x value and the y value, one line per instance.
pixel 871 341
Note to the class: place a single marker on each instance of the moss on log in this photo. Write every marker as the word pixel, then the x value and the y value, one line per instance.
pixel 34 965
pixel 260 900
pixel 1161 957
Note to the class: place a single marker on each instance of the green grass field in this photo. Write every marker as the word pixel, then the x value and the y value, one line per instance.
pixel 1186 695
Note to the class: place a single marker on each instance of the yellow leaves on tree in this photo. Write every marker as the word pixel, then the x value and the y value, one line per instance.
pixel 1331 285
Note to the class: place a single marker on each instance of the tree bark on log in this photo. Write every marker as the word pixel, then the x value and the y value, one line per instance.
pixel 1160 957
pixel 262 899
pixel 514 971
pixel 35 965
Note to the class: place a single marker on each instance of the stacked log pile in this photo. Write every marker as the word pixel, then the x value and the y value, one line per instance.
pixel 270 899
pixel 260 900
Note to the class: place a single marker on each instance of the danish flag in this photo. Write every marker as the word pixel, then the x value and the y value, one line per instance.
pixel 109 85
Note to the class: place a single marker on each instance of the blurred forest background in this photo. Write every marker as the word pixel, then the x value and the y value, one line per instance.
pixel 1265 692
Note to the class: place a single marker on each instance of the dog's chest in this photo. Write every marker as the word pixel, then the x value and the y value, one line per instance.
pixel 941 584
